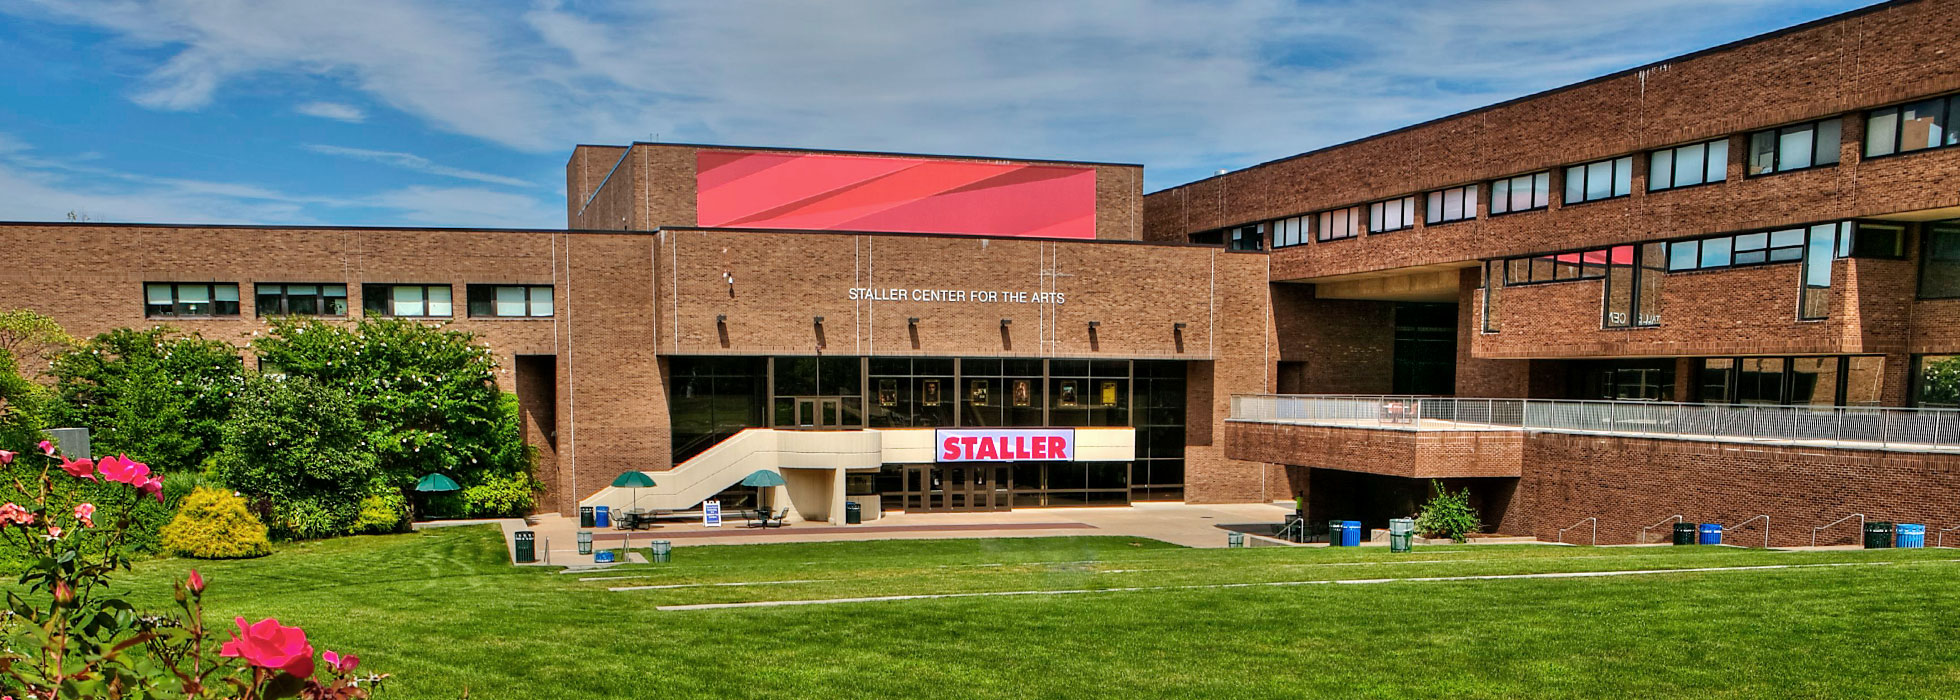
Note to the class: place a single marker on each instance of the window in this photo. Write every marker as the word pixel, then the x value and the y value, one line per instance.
pixel 1493 284
pixel 301 299
pixel 1874 239
pixel 1939 265
pixel 1814 298
pixel 1687 166
pixel 1830 380
pixel 1521 193
pixel 1632 294
pixel 181 299
pixel 406 300
pixel 1555 267
pixel 1453 204
pixel 1339 224
pixel 1794 147
pixel 1599 180
pixel 1243 238
pixel 1290 231
pixel 1936 381
pixel 510 301
pixel 1911 127
pixel 1392 215
pixel 1740 250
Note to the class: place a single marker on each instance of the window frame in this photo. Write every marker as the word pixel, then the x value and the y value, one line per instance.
pixel 388 305
pixel 1471 196
pixel 1585 175
pixel 530 300
pixel 1586 270
pixel 1235 239
pixel 1674 156
pixel 1532 179
pixel 1749 141
pixel 1926 232
pixel 1355 218
pixel 1300 228
pixel 1407 206
pixel 177 302
pixel 285 295
pixel 1950 110
pixel 1768 248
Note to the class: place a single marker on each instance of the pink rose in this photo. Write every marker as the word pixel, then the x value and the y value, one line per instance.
pixel 79 468
pixel 6 458
pixel 196 582
pixel 84 512
pixel 54 531
pixel 269 644
pixel 17 515
pixel 123 470
pixel 342 664
pixel 47 448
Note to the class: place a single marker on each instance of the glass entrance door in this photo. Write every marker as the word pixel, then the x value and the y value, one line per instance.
pixel 818 413
pixel 962 488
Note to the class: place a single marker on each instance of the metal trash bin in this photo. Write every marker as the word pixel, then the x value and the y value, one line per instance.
pixel 1401 533
pixel 1878 535
pixel 585 516
pixel 602 517
pixel 661 552
pixel 1709 533
pixel 1684 533
pixel 584 542
pixel 1234 539
pixel 1350 533
pixel 1334 528
pixel 853 513
pixel 1909 536
pixel 526 543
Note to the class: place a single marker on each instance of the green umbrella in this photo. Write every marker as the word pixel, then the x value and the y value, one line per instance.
pixel 761 479
pixel 635 480
pixel 436 482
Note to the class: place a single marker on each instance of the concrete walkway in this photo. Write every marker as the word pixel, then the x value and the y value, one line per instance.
pixel 1177 523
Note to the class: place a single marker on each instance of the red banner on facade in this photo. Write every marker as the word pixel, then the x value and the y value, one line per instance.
pixel 1005 445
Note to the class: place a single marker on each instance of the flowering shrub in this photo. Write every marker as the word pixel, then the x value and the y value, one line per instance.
pixel 75 639
pixel 215 524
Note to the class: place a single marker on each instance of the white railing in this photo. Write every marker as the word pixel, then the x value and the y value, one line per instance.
pixel 1857 427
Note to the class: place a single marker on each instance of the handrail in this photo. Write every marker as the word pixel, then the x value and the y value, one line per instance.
pixel 1595 530
pixel 1643 531
pixel 1861 526
pixel 1300 538
pixel 1738 526
pixel 1939 539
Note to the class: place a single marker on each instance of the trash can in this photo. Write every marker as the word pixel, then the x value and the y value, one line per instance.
pixel 1334 528
pixel 527 546
pixel 1350 533
pixel 603 557
pixel 584 542
pixel 1234 539
pixel 1909 536
pixel 662 551
pixel 1401 531
pixel 602 517
pixel 585 516
pixel 853 513
pixel 1878 535
pixel 1709 533
pixel 1684 533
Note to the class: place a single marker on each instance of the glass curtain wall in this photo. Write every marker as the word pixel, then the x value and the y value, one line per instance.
pixel 713 398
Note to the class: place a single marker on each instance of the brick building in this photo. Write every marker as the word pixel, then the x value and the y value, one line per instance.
pixel 1720 286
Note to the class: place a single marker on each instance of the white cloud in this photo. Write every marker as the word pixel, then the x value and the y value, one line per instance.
pixel 332 110
pixel 410 161
pixel 445 206
pixel 1181 86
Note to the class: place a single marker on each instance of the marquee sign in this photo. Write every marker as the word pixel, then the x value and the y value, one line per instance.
pixel 1005 445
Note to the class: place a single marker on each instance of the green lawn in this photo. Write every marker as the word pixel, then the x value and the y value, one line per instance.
pixel 444 612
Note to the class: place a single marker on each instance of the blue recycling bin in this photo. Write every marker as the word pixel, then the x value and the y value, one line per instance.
pixel 603 556
pixel 602 517
pixel 1709 533
pixel 1350 533
pixel 1910 536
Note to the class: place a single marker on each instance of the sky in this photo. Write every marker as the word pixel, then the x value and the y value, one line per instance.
pixel 463 112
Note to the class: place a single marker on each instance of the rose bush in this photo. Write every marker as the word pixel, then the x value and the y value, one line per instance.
pixel 70 637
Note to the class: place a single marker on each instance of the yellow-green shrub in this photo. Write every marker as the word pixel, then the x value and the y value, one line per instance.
pixel 215 524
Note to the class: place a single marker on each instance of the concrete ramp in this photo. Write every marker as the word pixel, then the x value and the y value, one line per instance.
pixel 728 462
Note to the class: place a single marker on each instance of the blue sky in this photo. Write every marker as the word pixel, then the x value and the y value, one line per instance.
pixel 462 113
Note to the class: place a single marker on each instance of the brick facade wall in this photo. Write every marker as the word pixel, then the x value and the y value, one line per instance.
pixel 1400 453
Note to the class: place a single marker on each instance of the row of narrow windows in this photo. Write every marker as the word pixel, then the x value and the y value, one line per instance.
pixel 221 299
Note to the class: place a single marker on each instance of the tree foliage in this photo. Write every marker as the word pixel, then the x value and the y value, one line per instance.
pixel 155 394
pixel 1940 382
pixel 301 447
pixel 1448 514
pixel 34 340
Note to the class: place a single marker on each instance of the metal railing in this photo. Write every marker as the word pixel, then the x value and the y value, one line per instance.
pixel 1857 427
pixel 1861 526
pixel 1664 521
pixel 1595 530
pixel 1738 526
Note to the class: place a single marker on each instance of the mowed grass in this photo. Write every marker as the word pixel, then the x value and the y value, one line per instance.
pixel 444 612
